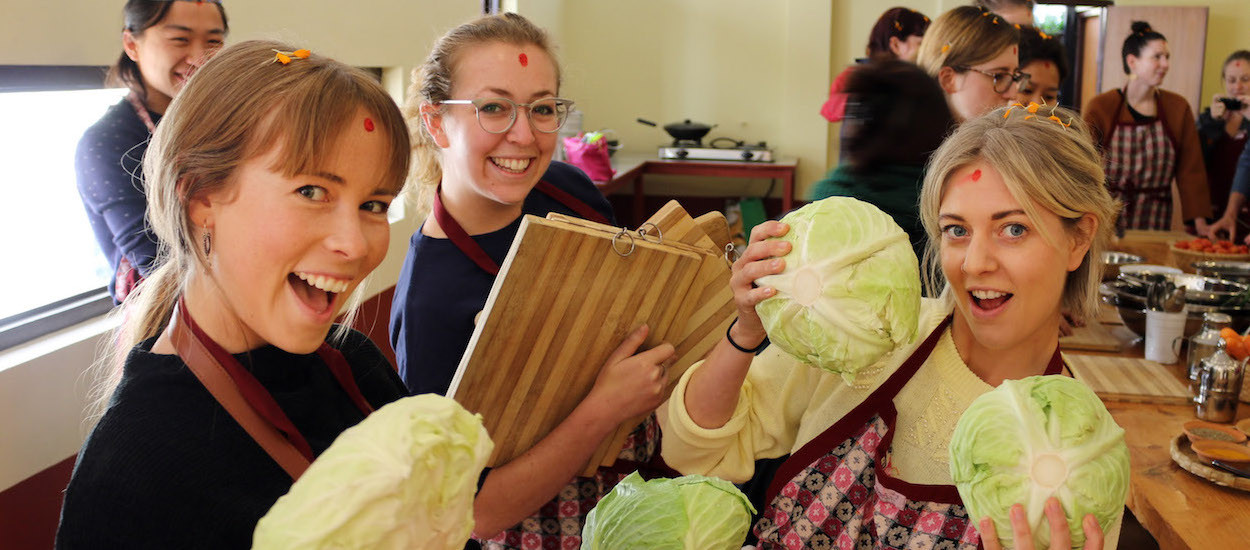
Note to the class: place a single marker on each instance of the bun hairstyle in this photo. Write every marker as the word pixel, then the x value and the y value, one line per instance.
pixel 897 23
pixel 1035 45
pixel 1141 35
pixel 963 37
pixel 139 16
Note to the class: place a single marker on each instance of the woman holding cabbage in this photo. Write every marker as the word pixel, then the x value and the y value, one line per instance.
pixel 1017 216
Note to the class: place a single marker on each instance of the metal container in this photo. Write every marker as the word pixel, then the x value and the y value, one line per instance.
pixel 1219 385
pixel 1230 271
pixel 1113 261
pixel 1204 344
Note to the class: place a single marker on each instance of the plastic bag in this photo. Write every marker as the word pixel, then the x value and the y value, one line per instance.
pixel 592 157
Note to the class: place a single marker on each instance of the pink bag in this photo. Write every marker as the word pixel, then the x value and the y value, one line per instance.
pixel 592 158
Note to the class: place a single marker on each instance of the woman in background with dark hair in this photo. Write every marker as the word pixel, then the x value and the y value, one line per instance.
pixel 1148 138
pixel 897 115
pixel 1018 12
pixel 1043 60
pixel 163 42
pixel 896 35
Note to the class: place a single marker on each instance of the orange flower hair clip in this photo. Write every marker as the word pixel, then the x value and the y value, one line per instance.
pixel 286 57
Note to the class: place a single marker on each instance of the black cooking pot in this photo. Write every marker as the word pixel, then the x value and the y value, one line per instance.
pixel 684 130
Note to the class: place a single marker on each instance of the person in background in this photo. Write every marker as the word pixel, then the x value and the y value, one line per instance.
pixel 1223 131
pixel 896 35
pixel 1013 239
pixel 483 111
pixel 1149 139
pixel 1016 12
pixel 974 55
pixel 163 43
pixel 268 186
pixel 896 117
pixel 1044 62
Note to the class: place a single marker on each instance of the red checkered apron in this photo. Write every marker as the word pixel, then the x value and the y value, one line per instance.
pixel 558 524
pixel 837 490
pixel 1141 163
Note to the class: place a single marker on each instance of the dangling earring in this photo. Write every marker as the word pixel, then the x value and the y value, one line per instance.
pixel 208 241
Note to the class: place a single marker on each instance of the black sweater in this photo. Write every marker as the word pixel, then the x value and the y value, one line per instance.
pixel 168 467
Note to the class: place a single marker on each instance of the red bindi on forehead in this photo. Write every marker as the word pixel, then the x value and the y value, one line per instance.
pixel 524 59
pixel 368 124
pixel 975 175
pixel 1014 50
pixel 1047 64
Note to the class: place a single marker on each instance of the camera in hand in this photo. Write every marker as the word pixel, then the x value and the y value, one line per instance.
pixel 1232 103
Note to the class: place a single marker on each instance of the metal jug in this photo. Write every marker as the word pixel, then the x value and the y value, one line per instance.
pixel 1219 386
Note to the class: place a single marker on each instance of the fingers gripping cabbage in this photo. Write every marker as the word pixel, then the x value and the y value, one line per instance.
pixel 1031 439
pixel 687 513
pixel 404 477
pixel 850 292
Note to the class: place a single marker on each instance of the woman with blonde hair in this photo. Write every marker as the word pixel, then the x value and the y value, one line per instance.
pixel 268 183
pixel 1149 139
pixel 483 112
pixel 973 54
pixel 1017 217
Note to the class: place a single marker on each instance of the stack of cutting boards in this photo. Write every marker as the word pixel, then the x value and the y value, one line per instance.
pixel 567 294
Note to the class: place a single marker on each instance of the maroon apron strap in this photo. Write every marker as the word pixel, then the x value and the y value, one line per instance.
pixel 573 203
pixel 842 429
pixel 141 111
pixel 469 247
pixel 460 238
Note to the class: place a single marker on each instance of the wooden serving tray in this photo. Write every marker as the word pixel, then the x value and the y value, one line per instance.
pixel 1129 379
pixel 1185 457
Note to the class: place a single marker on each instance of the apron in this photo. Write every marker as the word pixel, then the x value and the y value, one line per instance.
pixel 126 278
pixel 1141 163
pixel 837 491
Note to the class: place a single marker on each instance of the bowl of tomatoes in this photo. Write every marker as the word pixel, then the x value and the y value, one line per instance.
pixel 1185 253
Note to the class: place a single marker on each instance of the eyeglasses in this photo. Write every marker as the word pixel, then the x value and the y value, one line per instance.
pixel 1002 81
pixel 497 114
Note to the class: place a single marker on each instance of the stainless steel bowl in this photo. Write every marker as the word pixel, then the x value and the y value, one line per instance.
pixel 1198 289
pixel 1114 260
pixel 1134 315
pixel 1231 271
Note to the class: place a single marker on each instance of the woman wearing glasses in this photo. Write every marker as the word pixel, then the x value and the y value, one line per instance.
pixel 1149 138
pixel 483 112
pixel 973 54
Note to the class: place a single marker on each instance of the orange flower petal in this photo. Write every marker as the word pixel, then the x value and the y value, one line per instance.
pixel 302 54
pixel 1033 107
pixel 946 48
pixel 1028 117
pixel 283 58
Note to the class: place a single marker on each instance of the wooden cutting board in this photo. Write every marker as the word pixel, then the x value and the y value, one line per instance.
pixel 708 307
pixel 1092 337
pixel 563 301
pixel 1128 379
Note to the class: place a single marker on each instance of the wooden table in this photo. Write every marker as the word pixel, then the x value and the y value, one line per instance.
pixel 1179 509
pixel 631 167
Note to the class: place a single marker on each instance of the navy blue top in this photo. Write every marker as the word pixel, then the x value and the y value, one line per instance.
pixel 1241 180
pixel 109 152
pixel 441 290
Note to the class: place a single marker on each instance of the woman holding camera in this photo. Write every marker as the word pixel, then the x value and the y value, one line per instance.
pixel 1148 138
pixel 1223 128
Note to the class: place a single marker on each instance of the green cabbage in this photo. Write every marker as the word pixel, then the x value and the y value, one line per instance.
pixel 1031 439
pixel 691 513
pixel 404 477
pixel 850 292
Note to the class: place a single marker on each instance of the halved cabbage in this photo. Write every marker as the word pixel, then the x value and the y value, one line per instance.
pixel 850 292
pixel 1034 438
pixel 404 477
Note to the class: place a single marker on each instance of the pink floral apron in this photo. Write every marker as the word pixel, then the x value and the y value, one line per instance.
pixel 558 524
pixel 1141 162
pixel 838 490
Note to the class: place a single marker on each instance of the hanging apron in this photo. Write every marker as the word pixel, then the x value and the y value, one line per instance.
pixel 837 491
pixel 1141 163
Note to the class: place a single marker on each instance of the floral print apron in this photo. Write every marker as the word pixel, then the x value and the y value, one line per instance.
pixel 838 490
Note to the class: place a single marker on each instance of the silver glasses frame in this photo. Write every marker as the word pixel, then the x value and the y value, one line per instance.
pixel 1016 77
pixel 516 108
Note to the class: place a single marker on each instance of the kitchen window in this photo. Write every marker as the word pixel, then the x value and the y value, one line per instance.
pixel 54 273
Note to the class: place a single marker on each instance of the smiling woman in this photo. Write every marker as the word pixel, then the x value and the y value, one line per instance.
pixel 1017 216
pixel 267 186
